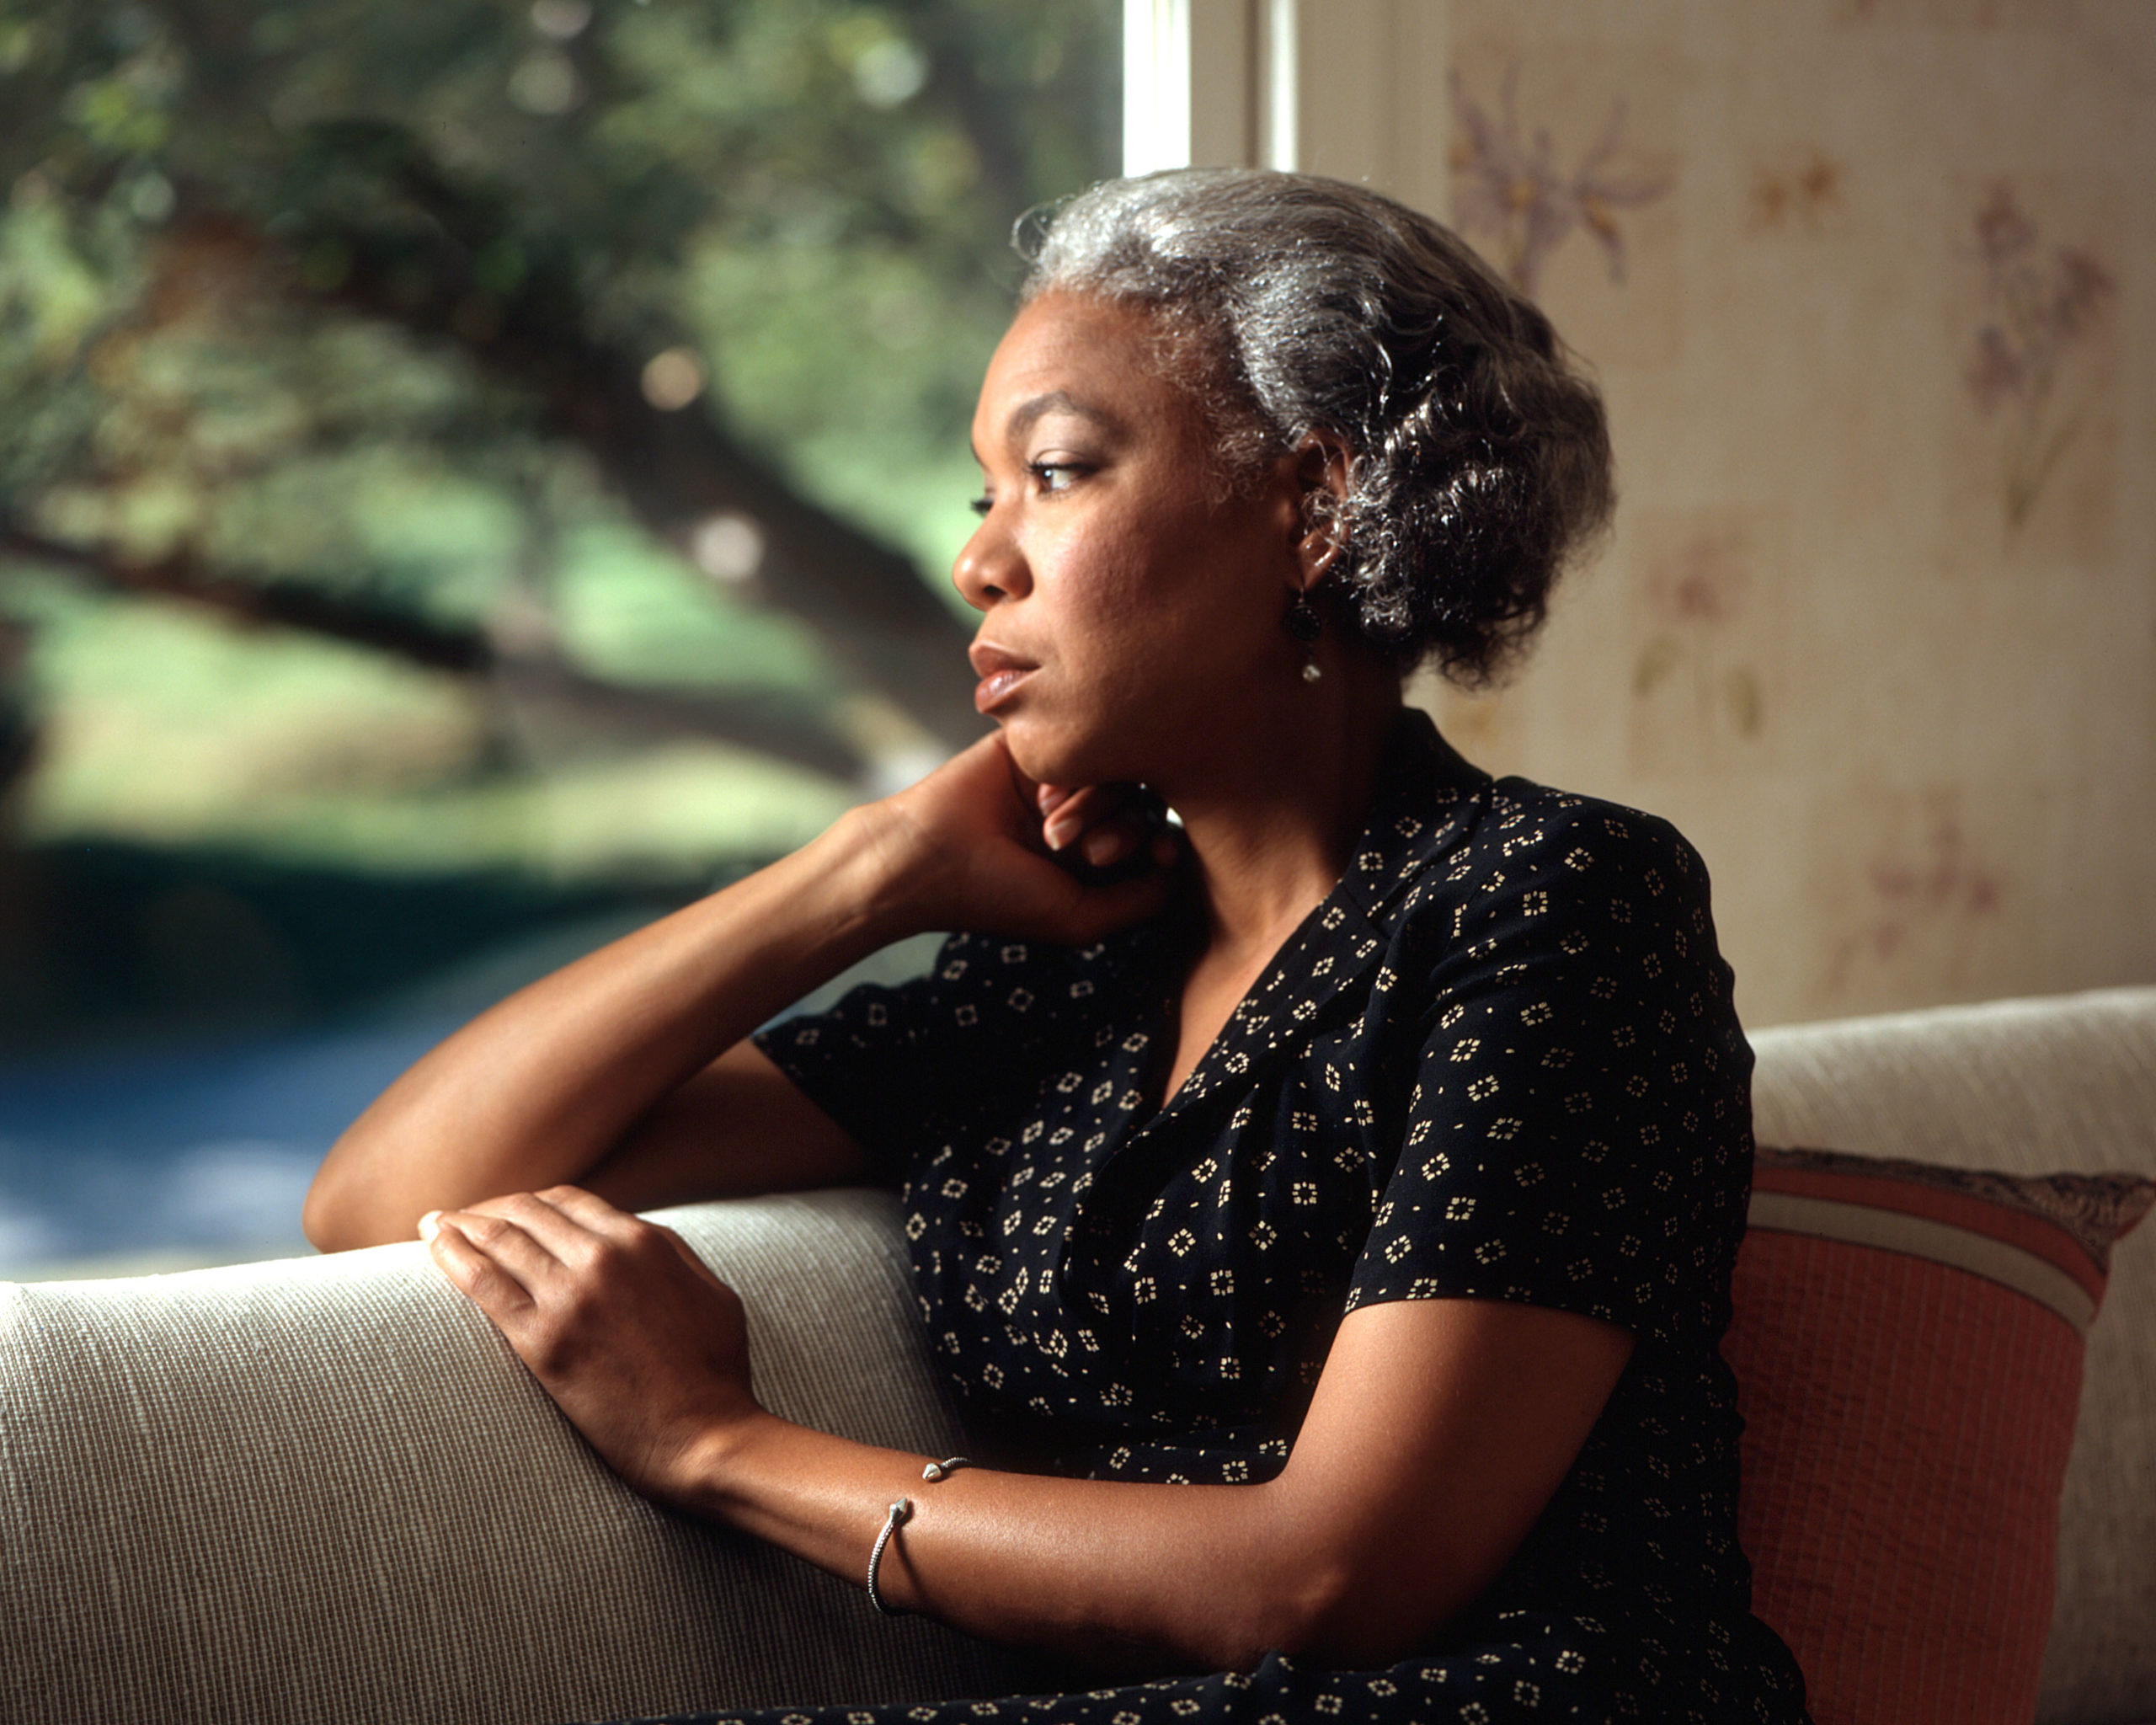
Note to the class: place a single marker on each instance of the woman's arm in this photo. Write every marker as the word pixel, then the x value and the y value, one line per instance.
pixel 543 1086
pixel 627 1070
pixel 1439 1430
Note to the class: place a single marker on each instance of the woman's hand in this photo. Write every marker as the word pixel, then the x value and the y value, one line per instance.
pixel 642 1347
pixel 977 845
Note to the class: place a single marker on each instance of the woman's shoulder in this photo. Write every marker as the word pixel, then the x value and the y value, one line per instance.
pixel 1439 820
pixel 1520 847
pixel 1532 824
pixel 1569 897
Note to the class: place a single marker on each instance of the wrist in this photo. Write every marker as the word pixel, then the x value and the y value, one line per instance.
pixel 834 889
pixel 888 867
pixel 715 1470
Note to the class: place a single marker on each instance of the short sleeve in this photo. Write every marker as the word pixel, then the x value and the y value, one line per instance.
pixel 1578 1134
pixel 895 1066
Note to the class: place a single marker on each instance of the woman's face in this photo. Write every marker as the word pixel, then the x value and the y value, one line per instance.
pixel 1130 615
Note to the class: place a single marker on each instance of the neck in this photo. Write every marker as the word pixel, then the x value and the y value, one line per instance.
pixel 1271 818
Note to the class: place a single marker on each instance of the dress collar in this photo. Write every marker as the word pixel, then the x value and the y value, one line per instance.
pixel 1425 790
pixel 1424 793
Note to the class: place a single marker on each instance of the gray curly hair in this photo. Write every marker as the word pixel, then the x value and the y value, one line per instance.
pixel 1288 304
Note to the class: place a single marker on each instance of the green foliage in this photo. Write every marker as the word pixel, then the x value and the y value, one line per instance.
pixel 621 604
pixel 260 265
pixel 815 193
pixel 318 319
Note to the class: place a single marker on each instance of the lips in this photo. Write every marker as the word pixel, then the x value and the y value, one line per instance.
pixel 1000 672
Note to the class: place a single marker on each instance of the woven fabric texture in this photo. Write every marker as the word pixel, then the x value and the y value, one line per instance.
pixel 1909 1392
pixel 2028 1087
pixel 324 1489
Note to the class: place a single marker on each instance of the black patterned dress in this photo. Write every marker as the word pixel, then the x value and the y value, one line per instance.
pixel 1499 1060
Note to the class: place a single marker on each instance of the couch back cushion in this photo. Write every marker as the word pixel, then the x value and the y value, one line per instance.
pixel 2021 1087
pixel 324 1489
pixel 1908 1346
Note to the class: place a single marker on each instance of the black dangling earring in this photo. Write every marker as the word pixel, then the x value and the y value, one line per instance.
pixel 1305 622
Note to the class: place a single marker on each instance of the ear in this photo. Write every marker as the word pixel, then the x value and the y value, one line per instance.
pixel 1322 460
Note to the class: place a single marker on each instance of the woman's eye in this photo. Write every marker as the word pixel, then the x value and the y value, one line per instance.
pixel 983 503
pixel 1053 476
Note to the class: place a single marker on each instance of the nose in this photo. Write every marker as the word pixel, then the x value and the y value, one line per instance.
pixel 989 566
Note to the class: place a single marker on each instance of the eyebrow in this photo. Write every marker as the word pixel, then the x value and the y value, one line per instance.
pixel 1029 412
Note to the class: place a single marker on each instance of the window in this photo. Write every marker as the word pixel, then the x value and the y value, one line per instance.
pixel 476 474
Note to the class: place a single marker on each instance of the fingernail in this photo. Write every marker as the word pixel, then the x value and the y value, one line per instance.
pixel 1047 797
pixel 1058 833
pixel 1102 848
pixel 430 1225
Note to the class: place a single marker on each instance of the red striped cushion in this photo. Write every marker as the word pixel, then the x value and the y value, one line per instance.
pixel 1907 1344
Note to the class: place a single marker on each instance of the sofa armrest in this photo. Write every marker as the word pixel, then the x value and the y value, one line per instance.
pixel 325 1489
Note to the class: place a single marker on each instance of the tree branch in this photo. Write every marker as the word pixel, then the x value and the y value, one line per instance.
pixel 864 602
pixel 784 727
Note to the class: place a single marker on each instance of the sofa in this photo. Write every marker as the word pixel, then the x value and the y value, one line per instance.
pixel 322 1488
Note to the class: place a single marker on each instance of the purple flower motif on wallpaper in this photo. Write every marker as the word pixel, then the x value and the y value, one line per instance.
pixel 1693 595
pixel 1939 883
pixel 1511 190
pixel 2039 303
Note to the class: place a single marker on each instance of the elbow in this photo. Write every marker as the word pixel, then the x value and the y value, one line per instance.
pixel 356 1198
pixel 332 1220
pixel 1300 1611
pixel 320 1220
pixel 1361 1609
pixel 1292 1602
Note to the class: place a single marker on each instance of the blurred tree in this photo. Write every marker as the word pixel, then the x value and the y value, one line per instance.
pixel 348 315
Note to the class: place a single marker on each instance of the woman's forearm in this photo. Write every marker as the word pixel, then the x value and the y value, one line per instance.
pixel 1439 1430
pixel 1103 1572
pixel 544 1088
pixel 540 1088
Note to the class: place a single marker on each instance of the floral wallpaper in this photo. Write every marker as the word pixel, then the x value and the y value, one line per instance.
pixel 1924 884
pixel 2041 303
pixel 1866 284
pixel 1700 639
pixel 1512 196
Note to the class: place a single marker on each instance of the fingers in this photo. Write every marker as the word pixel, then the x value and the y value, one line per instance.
pixel 588 1211
pixel 1100 826
pixel 564 1218
pixel 1107 823
pixel 593 1212
pixel 537 1238
pixel 475 1273
pixel 1099 907
pixel 520 1239
pixel 511 1247
pixel 1066 813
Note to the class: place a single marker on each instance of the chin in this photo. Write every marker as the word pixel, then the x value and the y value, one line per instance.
pixel 1049 755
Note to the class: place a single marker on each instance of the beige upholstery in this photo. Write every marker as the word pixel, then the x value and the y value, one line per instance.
pixel 323 1489
pixel 2028 1087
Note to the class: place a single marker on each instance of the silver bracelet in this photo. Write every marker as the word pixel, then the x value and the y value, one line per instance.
pixel 901 1513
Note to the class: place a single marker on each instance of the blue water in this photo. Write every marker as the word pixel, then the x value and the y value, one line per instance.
pixel 203 1153
pixel 198 1151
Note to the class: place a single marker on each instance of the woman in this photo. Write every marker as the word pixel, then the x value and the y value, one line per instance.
pixel 1337 1202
